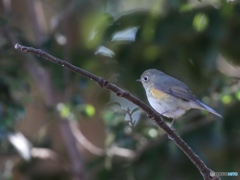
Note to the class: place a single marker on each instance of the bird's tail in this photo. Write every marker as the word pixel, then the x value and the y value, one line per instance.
pixel 210 109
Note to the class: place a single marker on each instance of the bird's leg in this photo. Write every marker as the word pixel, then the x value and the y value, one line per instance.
pixel 172 123
pixel 171 128
pixel 162 114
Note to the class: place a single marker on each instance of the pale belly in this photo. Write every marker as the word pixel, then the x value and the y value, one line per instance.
pixel 171 108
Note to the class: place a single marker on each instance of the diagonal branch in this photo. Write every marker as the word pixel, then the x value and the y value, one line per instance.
pixel 204 170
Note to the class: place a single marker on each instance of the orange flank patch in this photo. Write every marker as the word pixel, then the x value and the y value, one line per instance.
pixel 158 94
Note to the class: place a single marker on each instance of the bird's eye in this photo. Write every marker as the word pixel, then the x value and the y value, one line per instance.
pixel 145 78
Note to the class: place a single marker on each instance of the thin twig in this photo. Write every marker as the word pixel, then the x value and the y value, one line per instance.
pixel 204 170
pixel 131 122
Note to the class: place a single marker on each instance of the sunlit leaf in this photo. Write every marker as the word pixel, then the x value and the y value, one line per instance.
pixel 90 110
pixel 238 95
pixel 226 99
pixel 200 22
pixel 65 111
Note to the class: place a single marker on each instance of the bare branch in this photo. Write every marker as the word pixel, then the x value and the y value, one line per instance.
pixel 204 170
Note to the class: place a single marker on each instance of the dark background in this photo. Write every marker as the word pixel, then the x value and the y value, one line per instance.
pixel 55 124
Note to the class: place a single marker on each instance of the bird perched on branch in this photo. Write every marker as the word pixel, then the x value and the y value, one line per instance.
pixel 169 96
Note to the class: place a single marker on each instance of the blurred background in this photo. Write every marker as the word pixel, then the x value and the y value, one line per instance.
pixel 58 125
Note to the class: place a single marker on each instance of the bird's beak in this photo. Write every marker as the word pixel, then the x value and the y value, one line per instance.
pixel 139 80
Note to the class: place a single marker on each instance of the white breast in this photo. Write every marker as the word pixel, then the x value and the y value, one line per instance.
pixel 168 108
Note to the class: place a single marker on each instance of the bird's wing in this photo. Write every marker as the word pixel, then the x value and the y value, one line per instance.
pixel 177 89
pixel 182 93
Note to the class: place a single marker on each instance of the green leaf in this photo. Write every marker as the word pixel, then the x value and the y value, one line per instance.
pixel 200 22
pixel 238 95
pixel 226 99
pixel 135 110
pixel 89 110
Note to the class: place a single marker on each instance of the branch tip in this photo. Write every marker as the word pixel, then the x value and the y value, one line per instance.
pixel 21 48
pixel 16 46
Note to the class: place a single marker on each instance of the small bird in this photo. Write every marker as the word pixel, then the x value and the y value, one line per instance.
pixel 169 96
